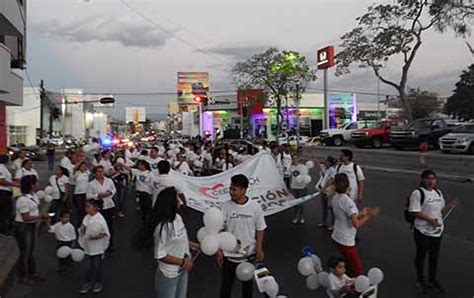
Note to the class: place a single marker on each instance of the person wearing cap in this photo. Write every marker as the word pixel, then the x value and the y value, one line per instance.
pixel 326 189
pixel 6 196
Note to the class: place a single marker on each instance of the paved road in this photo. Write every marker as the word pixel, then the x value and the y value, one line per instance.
pixel 386 243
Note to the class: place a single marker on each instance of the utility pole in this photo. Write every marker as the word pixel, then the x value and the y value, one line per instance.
pixel 297 117
pixel 42 100
pixel 326 107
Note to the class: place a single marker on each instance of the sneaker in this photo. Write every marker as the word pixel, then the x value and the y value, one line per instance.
pixel 422 287
pixel 97 288
pixel 302 221
pixel 120 214
pixel 436 286
pixel 85 288
pixel 295 220
pixel 330 229
pixel 320 226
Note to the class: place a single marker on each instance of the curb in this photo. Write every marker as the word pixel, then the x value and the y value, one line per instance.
pixel 461 179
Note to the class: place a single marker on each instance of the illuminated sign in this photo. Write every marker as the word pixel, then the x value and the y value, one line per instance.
pixel 342 108
pixel 325 57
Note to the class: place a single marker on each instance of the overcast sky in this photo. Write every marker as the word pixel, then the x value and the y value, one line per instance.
pixel 105 46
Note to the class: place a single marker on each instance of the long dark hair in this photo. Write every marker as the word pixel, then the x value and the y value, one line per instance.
pixel 165 209
pixel 341 182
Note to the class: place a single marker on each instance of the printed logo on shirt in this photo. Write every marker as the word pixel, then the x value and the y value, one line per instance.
pixel 295 173
pixel 154 166
pixel 239 216
pixel 142 178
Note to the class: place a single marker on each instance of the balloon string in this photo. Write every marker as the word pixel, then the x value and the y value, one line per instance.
pixel 448 213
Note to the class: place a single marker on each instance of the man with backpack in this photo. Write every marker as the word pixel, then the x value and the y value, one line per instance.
pixel 425 209
pixel 354 173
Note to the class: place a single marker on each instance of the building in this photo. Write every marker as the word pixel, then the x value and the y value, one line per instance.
pixel 12 58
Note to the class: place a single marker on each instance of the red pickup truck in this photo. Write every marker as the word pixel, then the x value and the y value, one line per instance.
pixel 376 136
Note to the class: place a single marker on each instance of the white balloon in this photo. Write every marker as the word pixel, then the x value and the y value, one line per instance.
pixel 227 241
pixel 375 276
pixel 300 179
pixel 271 287
pixel 307 179
pixel 63 252
pixel 323 277
pixel 40 194
pixel 198 164
pixel 305 266
pixel 202 233
pixel 210 245
pixel 310 164
pixel 77 255
pixel 48 198
pixel 362 283
pixel 49 190
pixel 244 271
pixel 312 282
pixel 213 219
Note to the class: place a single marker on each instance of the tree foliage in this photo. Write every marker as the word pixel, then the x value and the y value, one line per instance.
pixel 461 103
pixel 279 73
pixel 394 31
pixel 422 103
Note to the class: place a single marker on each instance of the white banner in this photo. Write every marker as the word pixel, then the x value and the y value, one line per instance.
pixel 266 187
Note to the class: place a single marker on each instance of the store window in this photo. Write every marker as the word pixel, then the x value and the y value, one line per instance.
pixel 16 134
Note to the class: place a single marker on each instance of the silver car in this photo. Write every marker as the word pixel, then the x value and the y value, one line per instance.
pixel 460 140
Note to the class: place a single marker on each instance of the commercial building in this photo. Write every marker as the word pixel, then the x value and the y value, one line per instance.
pixel 12 58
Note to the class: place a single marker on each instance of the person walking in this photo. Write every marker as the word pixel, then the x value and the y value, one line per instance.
pixel 172 247
pixel 298 187
pixel 6 196
pixel 244 219
pixel 26 169
pixel 25 231
pixel 81 180
pixel 143 186
pixel 60 183
pixel 347 221
pixel 326 189
pixel 103 189
pixel 427 206
pixel 354 174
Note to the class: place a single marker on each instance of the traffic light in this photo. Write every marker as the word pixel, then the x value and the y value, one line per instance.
pixel 200 99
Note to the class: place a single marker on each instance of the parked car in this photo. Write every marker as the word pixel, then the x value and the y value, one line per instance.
pixel 32 152
pixel 376 136
pixel 460 140
pixel 430 129
pixel 337 136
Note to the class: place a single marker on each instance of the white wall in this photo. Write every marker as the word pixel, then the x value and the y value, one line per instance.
pixel 27 115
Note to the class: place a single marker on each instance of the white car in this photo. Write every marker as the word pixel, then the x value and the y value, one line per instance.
pixel 337 136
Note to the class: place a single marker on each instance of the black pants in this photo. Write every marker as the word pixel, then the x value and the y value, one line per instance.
pixel 56 207
pixel 228 278
pixel 146 201
pixel 63 263
pixel 426 245
pixel 79 201
pixel 108 215
pixel 25 234
pixel 327 213
pixel 93 269
pixel 6 212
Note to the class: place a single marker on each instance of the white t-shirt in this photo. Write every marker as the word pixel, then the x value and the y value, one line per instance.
pixel 63 232
pixel 172 241
pixel 432 206
pixel 17 164
pixel 81 180
pixel 26 204
pixel 241 158
pixel 22 172
pixel 336 283
pixel 5 175
pixel 349 171
pixel 94 188
pixel 67 164
pixel 144 180
pixel 91 225
pixel 107 166
pixel 298 170
pixel 344 232
pixel 243 221
pixel 183 168
pixel 286 161
pixel 62 185
pixel 161 182
pixel 154 164
pixel 329 173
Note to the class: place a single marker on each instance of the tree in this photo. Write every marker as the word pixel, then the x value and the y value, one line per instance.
pixel 461 103
pixel 277 72
pixel 422 104
pixel 395 31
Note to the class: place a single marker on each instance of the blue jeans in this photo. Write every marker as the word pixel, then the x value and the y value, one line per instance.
pixel 171 287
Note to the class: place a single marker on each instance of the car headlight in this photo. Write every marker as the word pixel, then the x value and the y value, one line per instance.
pixel 366 133
pixel 462 140
pixel 414 134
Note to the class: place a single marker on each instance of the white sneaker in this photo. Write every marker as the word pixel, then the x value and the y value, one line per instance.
pixel 302 221
pixel 295 220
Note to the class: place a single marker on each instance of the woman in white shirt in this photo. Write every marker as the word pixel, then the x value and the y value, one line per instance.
pixel 26 219
pixel 326 189
pixel 60 183
pixel 6 194
pixel 143 186
pixel 103 190
pixel 347 221
pixel 81 180
pixel 172 247
pixel 25 170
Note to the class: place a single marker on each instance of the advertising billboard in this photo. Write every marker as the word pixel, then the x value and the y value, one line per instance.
pixel 342 108
pixel 191 84
pixel 135 114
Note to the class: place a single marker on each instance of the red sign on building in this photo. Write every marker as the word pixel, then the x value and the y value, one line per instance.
pixel 252 99
pixel 326 57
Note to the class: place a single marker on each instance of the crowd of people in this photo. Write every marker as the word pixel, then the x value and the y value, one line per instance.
pixel 89 189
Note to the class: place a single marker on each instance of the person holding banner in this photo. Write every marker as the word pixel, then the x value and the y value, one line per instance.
pixel 244 219
pixel 347 221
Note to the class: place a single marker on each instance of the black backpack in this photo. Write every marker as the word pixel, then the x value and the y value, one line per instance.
pixel 409 218
pixel 355 170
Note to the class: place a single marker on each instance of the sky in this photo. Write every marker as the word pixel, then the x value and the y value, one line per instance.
pixel 137 46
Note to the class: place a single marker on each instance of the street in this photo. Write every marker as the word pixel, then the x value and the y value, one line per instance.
pixel 386 242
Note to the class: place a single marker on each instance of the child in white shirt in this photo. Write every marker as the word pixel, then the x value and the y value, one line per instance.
pixel 65 236
pixel 339 284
